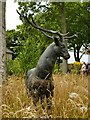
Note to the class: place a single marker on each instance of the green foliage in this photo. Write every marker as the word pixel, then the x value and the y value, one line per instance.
pixel 77 21
pixel 75 67
pixel 14 41
pixel 28 43
pixel 77 16
pixel 29 55
pixel 58 69
pixel 13 67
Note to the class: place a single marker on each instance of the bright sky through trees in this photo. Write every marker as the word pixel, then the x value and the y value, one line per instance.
pixel 12 18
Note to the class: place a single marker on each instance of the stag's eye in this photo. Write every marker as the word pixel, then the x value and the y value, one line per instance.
pixel 63 46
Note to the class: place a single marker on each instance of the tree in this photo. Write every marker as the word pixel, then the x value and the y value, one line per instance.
pixel 63 23
pixel 24 45
pixel 78 23
pixel 14 41
pixel 31 43
pixel 2 48
pixel 2 42
pixel 45 20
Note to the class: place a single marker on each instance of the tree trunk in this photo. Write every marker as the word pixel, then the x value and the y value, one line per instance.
pixel 2 43
pixel 2 49
pixel 63 23
pixel 78 59
pixel 76 54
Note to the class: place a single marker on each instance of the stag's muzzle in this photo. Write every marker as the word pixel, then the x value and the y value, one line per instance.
pixel 66 57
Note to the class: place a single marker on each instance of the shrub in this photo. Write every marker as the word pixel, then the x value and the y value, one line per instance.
pixel 13 67
pixel 76 67
pixel 57 69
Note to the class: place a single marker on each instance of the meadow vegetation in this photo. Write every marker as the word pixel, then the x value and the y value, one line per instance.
pixel 27 44
pixel 70 98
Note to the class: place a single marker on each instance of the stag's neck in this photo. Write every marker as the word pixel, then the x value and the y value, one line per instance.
pixel 46 62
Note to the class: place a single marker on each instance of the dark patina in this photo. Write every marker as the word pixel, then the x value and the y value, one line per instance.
pixel 39 80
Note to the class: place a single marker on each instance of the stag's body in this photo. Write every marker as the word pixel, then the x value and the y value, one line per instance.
pixel 39 80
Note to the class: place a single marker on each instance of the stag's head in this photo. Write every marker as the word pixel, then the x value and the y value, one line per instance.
pixel 60 48
pixel 58 37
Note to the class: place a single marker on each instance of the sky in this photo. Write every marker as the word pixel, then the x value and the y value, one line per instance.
pixel 12 20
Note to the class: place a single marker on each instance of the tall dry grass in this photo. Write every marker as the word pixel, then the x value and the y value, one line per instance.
pixel 70 98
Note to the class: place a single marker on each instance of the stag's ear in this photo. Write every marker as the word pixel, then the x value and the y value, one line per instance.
pixel 56 40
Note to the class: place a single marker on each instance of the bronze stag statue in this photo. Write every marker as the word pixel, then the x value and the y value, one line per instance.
pixel 39 80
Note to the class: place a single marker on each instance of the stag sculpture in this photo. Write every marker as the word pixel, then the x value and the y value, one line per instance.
pixel 39 80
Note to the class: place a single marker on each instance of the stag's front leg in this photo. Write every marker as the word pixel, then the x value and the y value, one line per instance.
pixel 49 102
pixel 42 101
pixel 49 95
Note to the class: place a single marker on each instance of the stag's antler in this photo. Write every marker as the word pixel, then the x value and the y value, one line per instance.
pixel 70 36
pixel 42 29
pixel 51 37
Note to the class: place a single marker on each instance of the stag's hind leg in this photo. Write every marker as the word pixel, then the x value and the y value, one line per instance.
pixel 35 97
